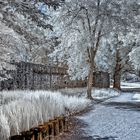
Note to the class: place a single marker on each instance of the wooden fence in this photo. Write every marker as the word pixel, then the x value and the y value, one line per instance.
pixel 46 131
pixel 36 76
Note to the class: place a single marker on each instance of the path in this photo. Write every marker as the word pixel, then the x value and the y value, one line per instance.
pixel 115 119
pixel 130 89
pixel 112 123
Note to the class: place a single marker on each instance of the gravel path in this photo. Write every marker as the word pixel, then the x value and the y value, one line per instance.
pixel 112 120
pixel 112 123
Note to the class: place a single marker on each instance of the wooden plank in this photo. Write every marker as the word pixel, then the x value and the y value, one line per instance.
pixel 47 131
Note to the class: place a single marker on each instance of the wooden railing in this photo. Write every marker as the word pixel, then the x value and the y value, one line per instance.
pixel 46 131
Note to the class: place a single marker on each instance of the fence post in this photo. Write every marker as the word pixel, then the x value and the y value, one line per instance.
pixel 51 130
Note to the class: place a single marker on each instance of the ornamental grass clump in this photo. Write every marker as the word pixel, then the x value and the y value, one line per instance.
pixel 22 110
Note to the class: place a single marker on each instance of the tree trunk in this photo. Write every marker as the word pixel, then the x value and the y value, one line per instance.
pixel 117 80
pixel 90 83
pixel 117 73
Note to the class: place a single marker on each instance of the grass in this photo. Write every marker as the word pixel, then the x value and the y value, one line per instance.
pixel 22 110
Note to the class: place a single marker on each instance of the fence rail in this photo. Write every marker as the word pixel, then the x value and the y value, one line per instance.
pixel 35 76
pixel 46 131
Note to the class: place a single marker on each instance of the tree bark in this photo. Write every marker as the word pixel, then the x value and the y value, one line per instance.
pixel 117 73
pixel 93 50
pixel 90 82
pixel 117 80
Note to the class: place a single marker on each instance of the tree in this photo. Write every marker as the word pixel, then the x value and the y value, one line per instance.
pixel 134 55
pixel 113 55
pixel 8 47
pixel 83 25
pixel 26 27
pixel 123 47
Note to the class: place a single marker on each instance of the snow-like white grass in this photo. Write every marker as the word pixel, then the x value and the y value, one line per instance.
pixel 136 97
pixel 22 110
pixel 97 93
pixel 105 93
pixel 130 85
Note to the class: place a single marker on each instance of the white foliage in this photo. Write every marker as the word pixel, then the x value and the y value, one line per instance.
pixel 106 54
pixel 134 54
pixel 25 32
pixel 97 93
pixel 4 127
pixel 22 110
pixel 135 58
pixel 76 30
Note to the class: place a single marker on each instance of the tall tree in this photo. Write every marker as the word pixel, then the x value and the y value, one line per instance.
pixel 83 25
pixel 25 28
pixel 123 46
pixel 113 55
